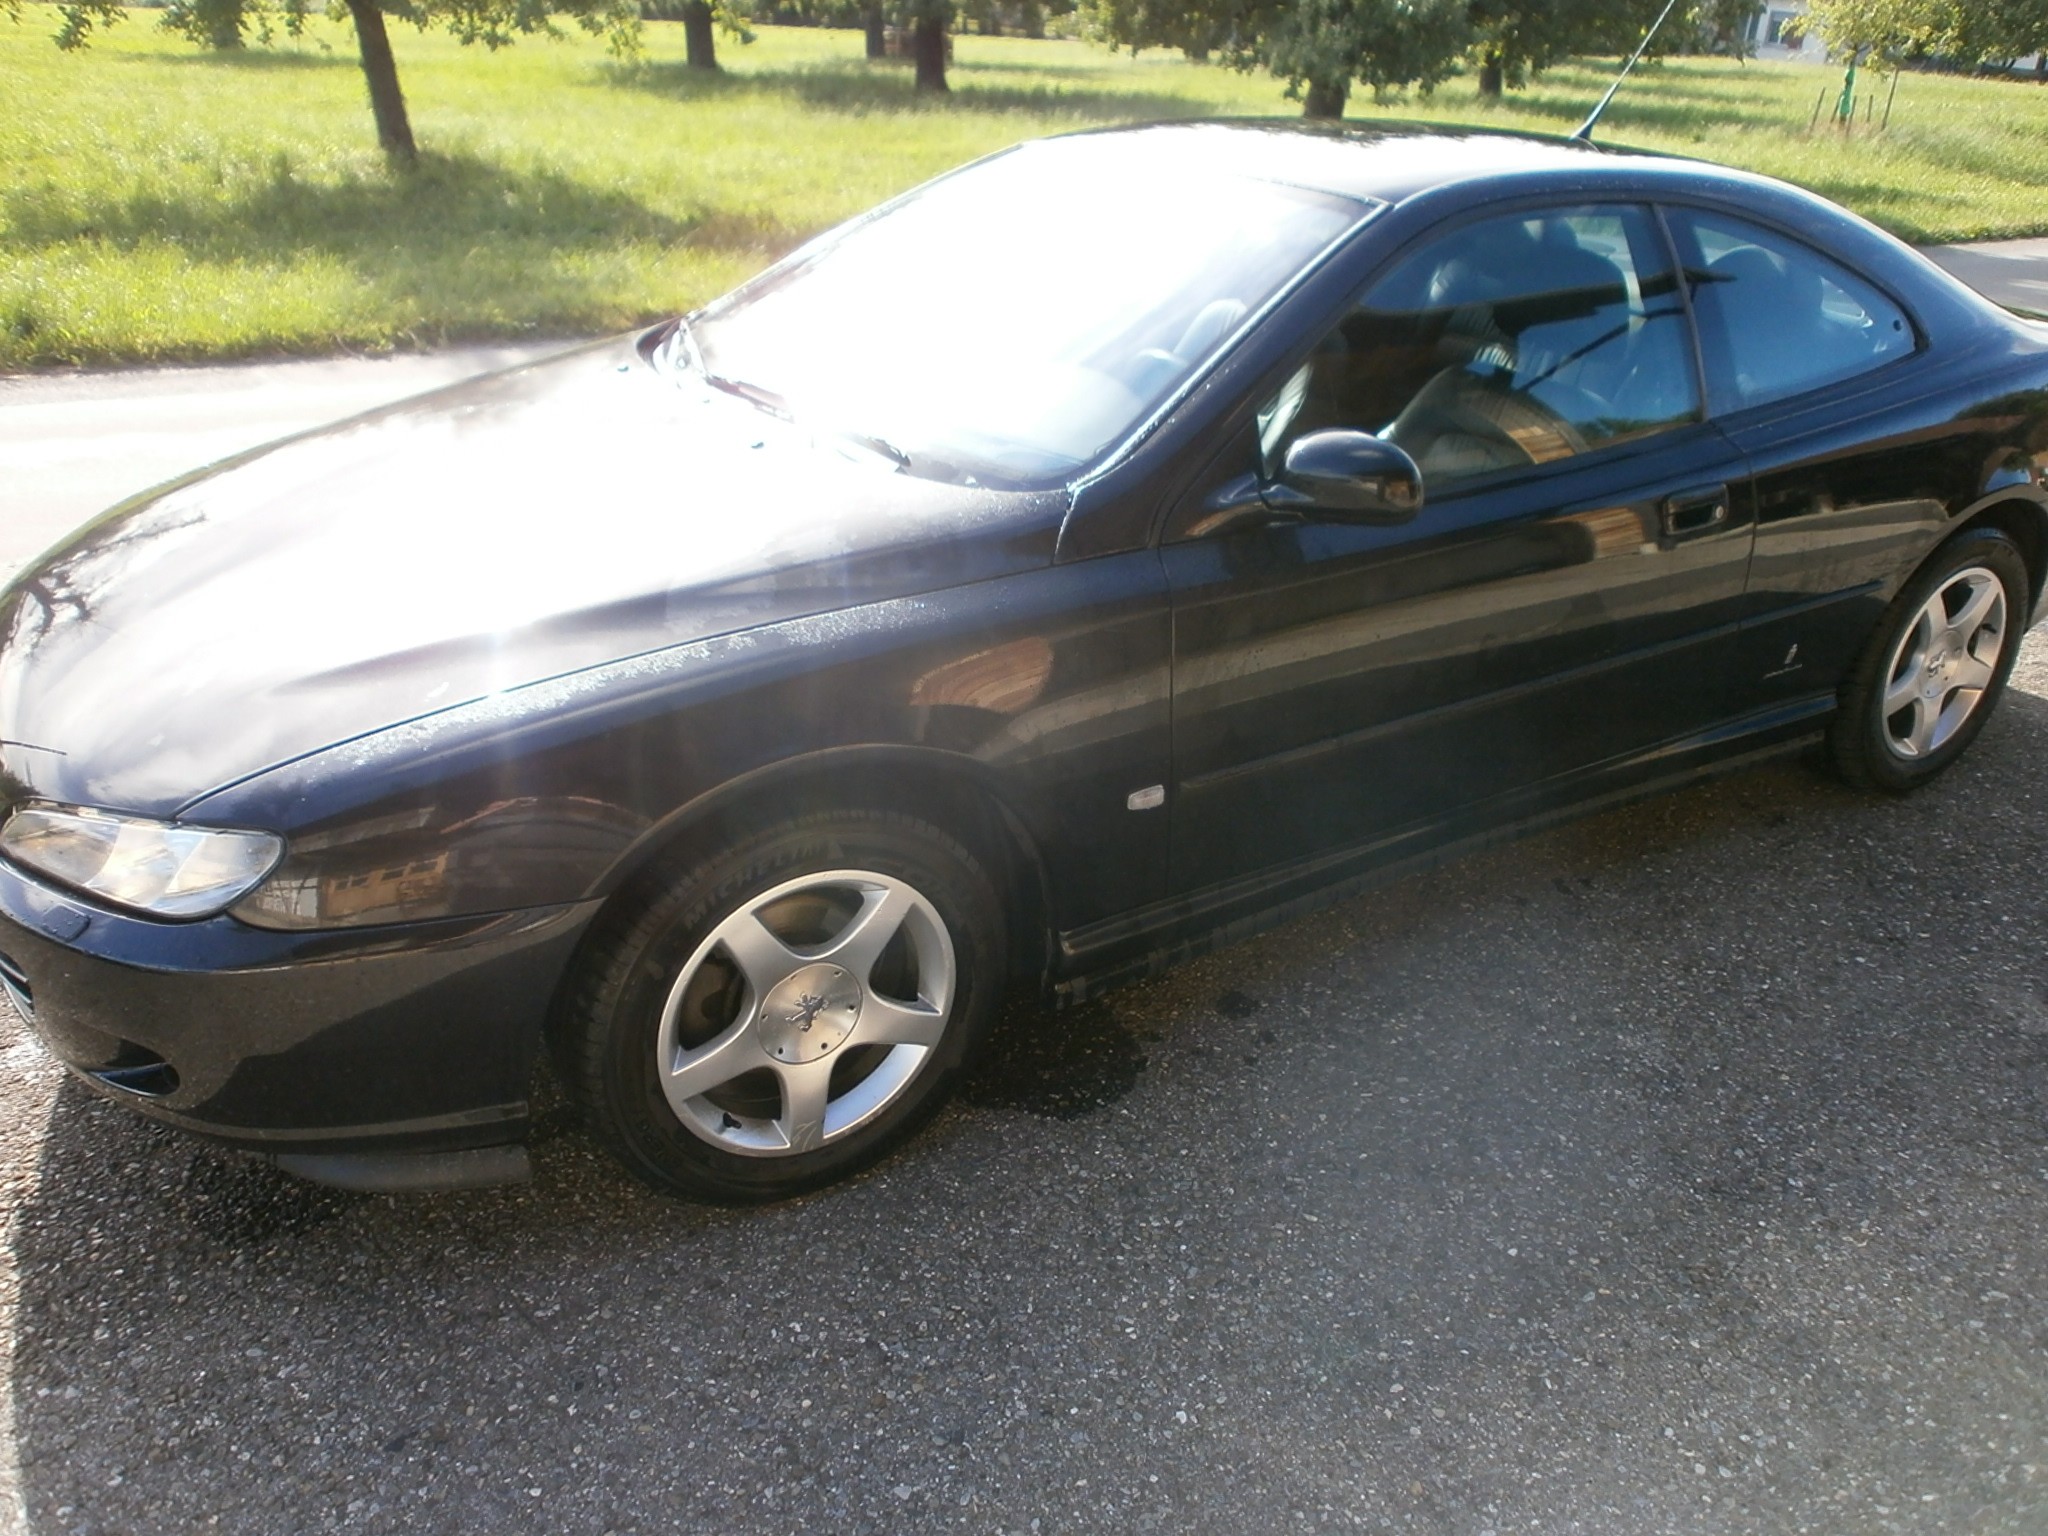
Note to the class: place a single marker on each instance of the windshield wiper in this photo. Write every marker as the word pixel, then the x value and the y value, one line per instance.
pixel 753 394
pixel 879 446
pixel 778 406
pixel 761 398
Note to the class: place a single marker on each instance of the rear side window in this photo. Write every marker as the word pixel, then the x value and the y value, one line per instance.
pixel 1777 318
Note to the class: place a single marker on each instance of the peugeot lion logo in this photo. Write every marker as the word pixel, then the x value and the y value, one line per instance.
pixel 807 1010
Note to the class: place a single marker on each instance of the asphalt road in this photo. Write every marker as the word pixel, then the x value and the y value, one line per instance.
pixel 73 444
pixel 2012 272
pixel 1681 1170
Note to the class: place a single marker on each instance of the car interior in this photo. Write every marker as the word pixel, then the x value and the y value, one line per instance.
pixel 1513 342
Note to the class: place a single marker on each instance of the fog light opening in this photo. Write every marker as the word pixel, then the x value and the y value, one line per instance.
pixel 14 982
pixel 140 1072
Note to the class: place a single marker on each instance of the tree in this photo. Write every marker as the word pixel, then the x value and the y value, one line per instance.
pixel 1319 47
pixel 2001 32
pixel 1887 28
pixel 1514 39
pixel 702 21
pixel 1728 26
pixel 1196 27
pixel 928 21
pixel 494 23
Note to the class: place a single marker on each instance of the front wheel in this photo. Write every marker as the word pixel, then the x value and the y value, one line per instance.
pixel 1932 672
pixel 772 1018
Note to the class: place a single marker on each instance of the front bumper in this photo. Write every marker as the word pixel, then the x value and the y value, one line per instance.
pixel 378 1058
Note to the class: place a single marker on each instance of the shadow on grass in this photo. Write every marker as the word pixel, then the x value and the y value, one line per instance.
pixel 259 60
pixel 459 236
pixel 857 88
pixel 1995 156
pixel 449 200
pixel 1678 113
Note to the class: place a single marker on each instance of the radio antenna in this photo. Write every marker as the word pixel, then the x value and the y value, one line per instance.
pixel 1584 135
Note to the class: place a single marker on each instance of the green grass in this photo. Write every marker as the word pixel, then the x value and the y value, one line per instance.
pixel 158 203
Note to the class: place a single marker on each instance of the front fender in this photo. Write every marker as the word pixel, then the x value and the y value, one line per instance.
pixel 1050 687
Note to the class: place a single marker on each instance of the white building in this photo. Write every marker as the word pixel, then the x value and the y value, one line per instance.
pixel 1768 34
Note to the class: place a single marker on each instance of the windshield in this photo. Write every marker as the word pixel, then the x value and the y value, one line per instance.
pixel 1008 323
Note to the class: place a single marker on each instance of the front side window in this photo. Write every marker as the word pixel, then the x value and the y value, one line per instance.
pixel 1778 318
pixel 1009 322
pixel 1509 342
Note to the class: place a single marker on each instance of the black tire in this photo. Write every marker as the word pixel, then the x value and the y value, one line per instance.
pixel 662 942
pixel 1873 748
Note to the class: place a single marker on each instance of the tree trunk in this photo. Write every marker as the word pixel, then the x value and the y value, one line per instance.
pixel 1325 98
pixel 700 43
pixel 223 27
pixel 387 102
pixel 1490 75
pixel 878 42
pixel 929 40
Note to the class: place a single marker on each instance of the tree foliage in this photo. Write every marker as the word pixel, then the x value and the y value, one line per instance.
pixel 1512 39
pixel 1196 27
pixel 1967 31
pixel 1320 47
pixel 1891 28
pixel 2002 31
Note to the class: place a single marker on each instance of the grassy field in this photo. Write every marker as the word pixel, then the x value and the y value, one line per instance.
pixel 158 203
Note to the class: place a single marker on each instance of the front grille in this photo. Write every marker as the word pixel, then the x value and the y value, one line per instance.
pixel 14 981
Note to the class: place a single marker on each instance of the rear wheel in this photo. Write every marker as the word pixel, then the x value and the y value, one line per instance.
pixel 1934 669
pixel 769 1019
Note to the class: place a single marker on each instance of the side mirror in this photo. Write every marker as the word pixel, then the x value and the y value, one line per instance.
pixel 1348 477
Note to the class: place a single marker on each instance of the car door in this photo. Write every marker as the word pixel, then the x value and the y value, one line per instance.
pixel 1565 598
pixel 1802 356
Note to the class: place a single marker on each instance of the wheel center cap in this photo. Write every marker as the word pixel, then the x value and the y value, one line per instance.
pixel 809 1013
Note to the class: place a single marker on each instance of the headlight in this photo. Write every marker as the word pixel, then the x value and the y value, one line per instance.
pixel 158 867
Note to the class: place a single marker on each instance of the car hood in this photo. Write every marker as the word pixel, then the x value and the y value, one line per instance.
pixel 495 534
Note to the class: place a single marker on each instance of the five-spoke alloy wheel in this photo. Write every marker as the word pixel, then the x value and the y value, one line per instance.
pixel 1936 665
pixel 1943 663
pixel 769 1019
pixel 785 1030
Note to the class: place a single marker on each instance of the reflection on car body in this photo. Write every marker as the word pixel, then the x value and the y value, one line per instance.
pixel 770 691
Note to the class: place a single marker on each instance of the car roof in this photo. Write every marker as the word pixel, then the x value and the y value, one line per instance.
pixel 1388 162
